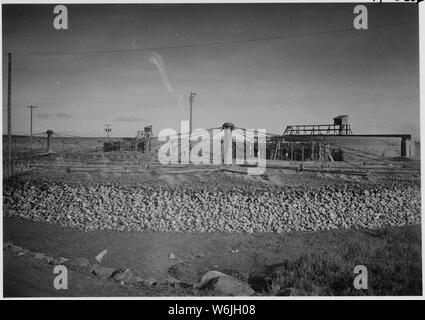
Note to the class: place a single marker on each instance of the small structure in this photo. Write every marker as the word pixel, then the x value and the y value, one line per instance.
pixel 344 145
pixel 342 123
pixel 148 131
pixel 339 127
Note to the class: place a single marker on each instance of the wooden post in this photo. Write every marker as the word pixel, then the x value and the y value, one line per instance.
pixel 312 151
pixel 321 152
pixel 302 152
pixel 292 151
pixel 275 151
pixel 279 151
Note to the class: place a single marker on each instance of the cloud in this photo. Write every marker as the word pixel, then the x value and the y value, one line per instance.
pixel 129 119
pixel 156 60
pixel 43 115
pixel 64 115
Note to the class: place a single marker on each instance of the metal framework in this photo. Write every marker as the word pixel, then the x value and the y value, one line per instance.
pixel 318 129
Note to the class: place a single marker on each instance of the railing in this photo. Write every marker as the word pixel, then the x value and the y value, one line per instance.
pixel 320 129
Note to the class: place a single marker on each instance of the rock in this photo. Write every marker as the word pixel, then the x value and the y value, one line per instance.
pixel 79 264
pixel 15 249
pixel 48 259
pixel 100 256
pixel 7 245
pixel 184 272
pixel 146 282
pixel 124 276
pixel 38 255
pixel 61 260
pixel 224 284
pixel 208 277
pixel 103 272
pixel 175 283
pixel 227 206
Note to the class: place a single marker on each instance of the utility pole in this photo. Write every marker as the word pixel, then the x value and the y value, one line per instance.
pixel 191 99
pixel 31 107
pixel 108 129
pixel 9 114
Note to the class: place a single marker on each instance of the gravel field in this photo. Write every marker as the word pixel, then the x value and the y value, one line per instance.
pixel 228 207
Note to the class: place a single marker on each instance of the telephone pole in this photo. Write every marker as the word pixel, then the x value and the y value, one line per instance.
pixel 191 99
pixel 9 114
pixel 31 107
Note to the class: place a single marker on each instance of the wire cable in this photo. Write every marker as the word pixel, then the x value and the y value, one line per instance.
pixel 213 43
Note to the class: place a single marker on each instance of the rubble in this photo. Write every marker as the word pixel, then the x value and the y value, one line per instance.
pixel 242 208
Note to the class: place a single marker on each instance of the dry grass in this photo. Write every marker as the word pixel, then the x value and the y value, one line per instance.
pixel 394 268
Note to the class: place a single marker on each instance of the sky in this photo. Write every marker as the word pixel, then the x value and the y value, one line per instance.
pixel 371 75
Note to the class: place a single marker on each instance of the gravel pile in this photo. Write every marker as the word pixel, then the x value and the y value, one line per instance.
pixel 242 208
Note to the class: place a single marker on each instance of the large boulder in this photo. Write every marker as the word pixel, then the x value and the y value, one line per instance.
pixel 103 272
pixel 224 285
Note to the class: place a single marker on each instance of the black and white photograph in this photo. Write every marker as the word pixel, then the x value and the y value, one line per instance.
pixel 211 150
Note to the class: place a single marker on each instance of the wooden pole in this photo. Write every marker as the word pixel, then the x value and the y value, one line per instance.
pixel 9 114
pixel 312 151
pixel 31 108
pixel 292 151
pixel 302 152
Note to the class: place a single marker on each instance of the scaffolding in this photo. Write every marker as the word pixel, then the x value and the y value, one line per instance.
pixel 318 129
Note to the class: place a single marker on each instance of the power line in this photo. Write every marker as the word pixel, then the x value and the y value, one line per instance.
pixel 214 43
